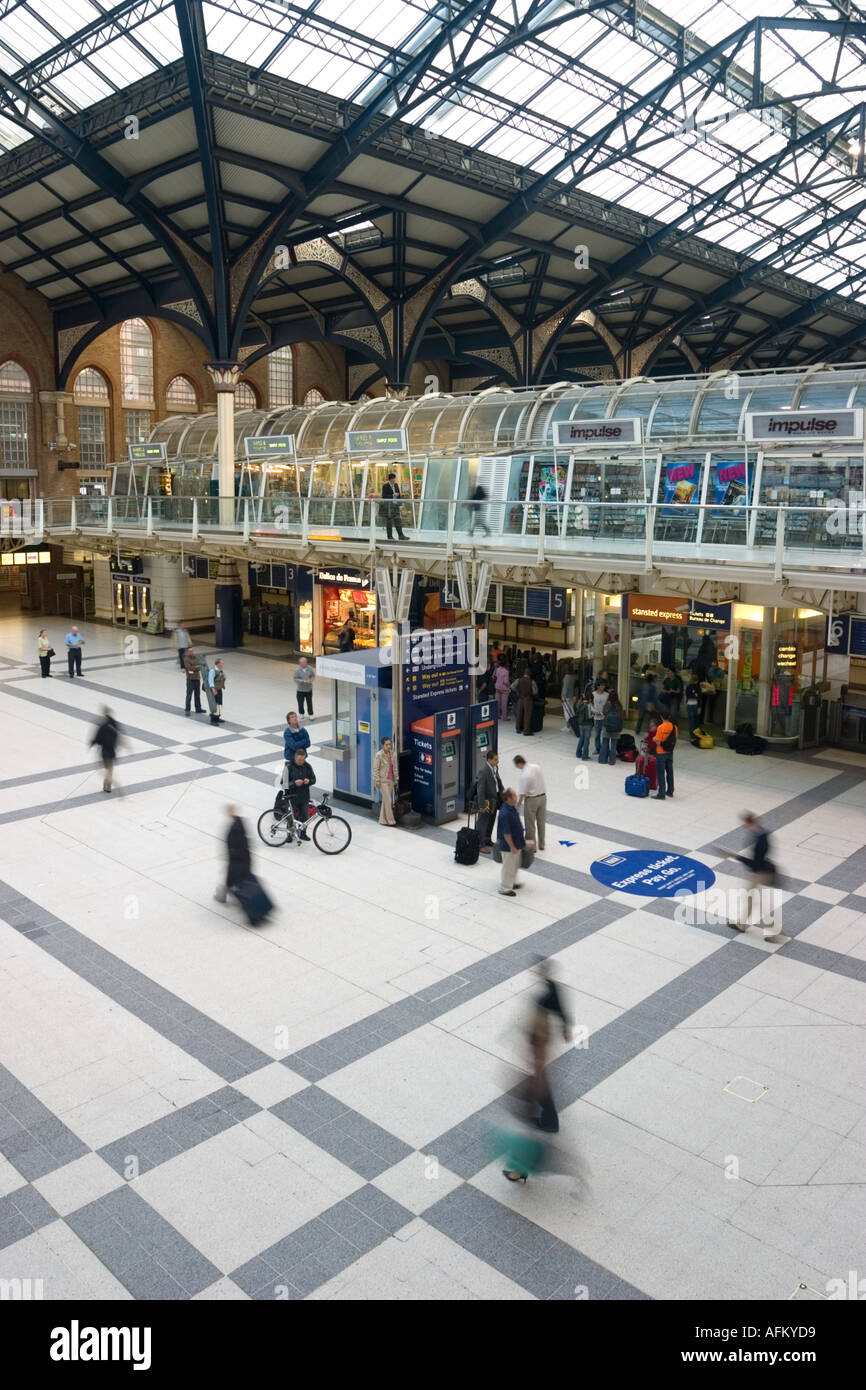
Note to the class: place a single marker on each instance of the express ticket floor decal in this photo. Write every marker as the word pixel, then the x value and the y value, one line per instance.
pixel 652 874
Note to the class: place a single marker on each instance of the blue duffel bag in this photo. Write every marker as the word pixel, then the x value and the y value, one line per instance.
pixel 637 786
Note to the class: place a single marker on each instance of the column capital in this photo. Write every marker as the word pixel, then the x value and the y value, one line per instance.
pixel 224 375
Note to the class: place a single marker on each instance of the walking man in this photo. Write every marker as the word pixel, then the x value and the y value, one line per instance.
pixel 666 741
pixel 304 677
pixel 216 679
pixel 391 507
pixel 74 643
pixel 511 841
pixel 489 792
pixel 761 881
pixel 533 798
pixel 181 637
pixel 476 511
pixel 106 739
pixel 193 680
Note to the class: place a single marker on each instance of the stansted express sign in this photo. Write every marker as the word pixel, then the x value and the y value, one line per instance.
pixel 652 873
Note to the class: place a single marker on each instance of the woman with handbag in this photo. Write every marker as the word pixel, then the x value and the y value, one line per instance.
pixel 46 651
pixel 384 780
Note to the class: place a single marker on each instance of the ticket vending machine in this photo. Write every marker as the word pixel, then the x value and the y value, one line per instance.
pixel 439 765
pixel 483 738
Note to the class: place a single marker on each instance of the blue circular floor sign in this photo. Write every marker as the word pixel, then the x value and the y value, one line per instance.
pixel 652 873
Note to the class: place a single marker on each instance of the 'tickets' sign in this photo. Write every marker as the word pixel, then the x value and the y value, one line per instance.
pixel 804 426
pixel 577 434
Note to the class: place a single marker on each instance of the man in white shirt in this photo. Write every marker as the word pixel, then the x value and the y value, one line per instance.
pixel 533 799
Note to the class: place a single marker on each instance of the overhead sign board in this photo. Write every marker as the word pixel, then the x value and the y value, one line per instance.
pixel 146 453
pixel 598 434
pixel 344 579
pixel 259 446
pixel 377 442
pixel 804 426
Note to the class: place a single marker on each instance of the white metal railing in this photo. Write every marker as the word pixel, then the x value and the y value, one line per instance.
pixel 766 532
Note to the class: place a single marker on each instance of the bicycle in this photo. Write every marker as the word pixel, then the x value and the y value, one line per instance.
pixel 331 834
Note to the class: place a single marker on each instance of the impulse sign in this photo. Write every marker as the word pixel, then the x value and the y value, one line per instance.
pixel 804 426
pixel 574 434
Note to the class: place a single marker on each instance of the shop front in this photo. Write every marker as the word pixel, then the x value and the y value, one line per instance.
pixel 673 636
pixel 344 597
pixel 754 663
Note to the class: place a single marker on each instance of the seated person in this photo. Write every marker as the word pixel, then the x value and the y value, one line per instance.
pixel 300 778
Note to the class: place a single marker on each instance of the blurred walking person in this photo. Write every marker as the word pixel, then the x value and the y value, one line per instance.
pixel 761 889
pixel 535 1093
pixel 106 740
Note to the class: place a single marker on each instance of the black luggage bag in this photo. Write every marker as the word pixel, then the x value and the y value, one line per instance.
pixel 253 899
pixel 468 844
pixel 536 723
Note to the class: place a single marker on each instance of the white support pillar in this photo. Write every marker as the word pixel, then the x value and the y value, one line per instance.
pixel 598 635
pixel 623 675
pixel 224 376
pixel 768 634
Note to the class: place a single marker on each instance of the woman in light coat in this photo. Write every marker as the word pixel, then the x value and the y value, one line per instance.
pixel 45 651
pixel 385 781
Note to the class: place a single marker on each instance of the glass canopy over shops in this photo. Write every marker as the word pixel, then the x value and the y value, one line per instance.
pixel 693 462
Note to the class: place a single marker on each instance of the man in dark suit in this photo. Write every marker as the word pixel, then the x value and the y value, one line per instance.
pixel 391 507
pixel 488 791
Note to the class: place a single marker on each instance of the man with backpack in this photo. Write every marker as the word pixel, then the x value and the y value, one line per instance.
pixel 581 726
pixel 666 742
pixel 611 728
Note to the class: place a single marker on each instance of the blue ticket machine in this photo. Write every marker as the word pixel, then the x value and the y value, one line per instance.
pixel 438 765
pixel 482 738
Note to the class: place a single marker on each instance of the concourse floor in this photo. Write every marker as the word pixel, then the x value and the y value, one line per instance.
pixel 193 1109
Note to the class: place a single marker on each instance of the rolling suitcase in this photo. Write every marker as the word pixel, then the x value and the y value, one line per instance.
pixel 645 766
pixel 253 899
pixel 468 845
pixel 637 786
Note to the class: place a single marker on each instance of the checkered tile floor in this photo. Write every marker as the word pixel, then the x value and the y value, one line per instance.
pixel 191 1109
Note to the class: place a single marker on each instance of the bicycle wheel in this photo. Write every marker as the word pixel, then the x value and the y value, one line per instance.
pixel 273 829
pixel 331 835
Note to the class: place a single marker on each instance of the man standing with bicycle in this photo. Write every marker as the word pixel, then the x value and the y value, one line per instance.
pixel 301 779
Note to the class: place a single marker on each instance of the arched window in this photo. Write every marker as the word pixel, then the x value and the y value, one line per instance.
pixel 16 396
pixel 314 396
pixel 136 361
pixel 281 372
pixel 245 396
pixel 91 396
pixel 180 394
pixel 91 385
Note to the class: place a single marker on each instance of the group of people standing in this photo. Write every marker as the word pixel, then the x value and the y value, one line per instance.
pixel 500 806
pixel 524 680
pixel 662 694
pixel 599 714
pixel 44 650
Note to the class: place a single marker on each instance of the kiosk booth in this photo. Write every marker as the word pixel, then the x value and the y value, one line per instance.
pixel 362 716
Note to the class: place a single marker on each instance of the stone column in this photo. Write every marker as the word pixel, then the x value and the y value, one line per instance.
pixel 224 376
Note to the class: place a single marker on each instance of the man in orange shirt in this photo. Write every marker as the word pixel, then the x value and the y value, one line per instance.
pixel 666 742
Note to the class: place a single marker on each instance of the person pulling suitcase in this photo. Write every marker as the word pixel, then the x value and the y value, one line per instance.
pixel 240 878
